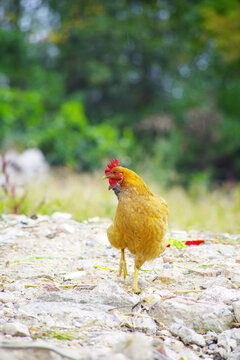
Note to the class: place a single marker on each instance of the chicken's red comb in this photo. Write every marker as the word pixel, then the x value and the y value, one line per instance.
pixel 111 165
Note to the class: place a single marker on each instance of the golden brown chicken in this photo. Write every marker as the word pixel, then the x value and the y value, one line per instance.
pixel 141 218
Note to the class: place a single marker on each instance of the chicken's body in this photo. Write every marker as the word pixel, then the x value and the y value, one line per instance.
pixel 140 222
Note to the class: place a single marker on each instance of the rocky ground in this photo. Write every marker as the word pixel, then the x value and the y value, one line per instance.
pixel 61 297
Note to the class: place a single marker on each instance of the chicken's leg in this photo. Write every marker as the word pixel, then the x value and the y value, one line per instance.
pixel 135 281
pixel 122 265
pixel 137 264
pixel 134 287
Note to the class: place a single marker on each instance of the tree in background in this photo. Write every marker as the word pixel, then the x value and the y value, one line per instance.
pixel 163 73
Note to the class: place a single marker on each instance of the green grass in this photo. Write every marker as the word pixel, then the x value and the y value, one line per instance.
pixel 87 195
pixel 56 334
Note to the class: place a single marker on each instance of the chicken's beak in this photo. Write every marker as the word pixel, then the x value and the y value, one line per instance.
pixel 106 176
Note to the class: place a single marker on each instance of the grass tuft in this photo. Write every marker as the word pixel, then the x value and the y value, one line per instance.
pixel 86 196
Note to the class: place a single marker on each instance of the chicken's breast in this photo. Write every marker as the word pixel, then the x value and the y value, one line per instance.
pixel 140 224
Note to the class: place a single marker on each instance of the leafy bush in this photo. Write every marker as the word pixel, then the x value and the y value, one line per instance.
pixel 66 137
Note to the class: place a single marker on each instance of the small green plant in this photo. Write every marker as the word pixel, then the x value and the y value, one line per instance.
pixel 177 243
pixel 55 334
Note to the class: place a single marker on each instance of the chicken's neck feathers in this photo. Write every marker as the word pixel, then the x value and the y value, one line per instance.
pixel 133 189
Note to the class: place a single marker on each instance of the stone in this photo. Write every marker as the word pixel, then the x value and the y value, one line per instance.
pixel 141 322
pixel 211 337
pixel 32 162
pixel 146 323
pixel 111 293
pixel 187 335
pixel 220 294
pixel 135 347
pixel 24 167
pixel 236 310
pixel 93 220
pixel 6 297
pixel 15 329
pixel 229 339
pixel 69 229
pixel 187 354
pixel 78 314
pixel 199 316
pixel 75 275
pixel 61 216
pixel 171 352
pixel 235 355
pixel 39 354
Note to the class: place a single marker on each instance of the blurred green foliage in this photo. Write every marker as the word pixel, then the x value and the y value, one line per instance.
pixel 66 137
pixel 154 83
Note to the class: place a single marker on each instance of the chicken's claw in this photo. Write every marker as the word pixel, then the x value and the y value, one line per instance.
pixel 134 290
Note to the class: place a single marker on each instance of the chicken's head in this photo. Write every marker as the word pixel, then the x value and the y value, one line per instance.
pixel 113 174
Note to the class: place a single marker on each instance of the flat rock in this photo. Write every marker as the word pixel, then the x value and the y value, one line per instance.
pixel 199 316
pixel 111 293
pixel 78 314
pixel 220 294
pixel 187 335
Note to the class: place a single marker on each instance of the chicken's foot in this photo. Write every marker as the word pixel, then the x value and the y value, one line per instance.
pixel 134 288
pixel 122 265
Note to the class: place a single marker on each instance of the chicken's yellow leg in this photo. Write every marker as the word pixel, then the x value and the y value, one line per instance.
pixel 135 281
pixel 122 265
pixel 137 265
pixel 134 287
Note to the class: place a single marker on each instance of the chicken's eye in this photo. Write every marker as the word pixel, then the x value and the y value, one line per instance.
pixel 115 172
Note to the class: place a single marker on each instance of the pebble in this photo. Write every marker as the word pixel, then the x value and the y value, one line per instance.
pixel 187 335
pixel 6 297
pixel 135 347
pixel 75 275
pixel 211 337
pixel 61 216
pixel 146 323
pixel 69 229
pixel 15 329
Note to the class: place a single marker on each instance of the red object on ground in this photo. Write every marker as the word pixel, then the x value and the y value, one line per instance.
pixel 191 242
pixel 194 242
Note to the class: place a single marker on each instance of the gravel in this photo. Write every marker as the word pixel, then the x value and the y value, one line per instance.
pixel 60 296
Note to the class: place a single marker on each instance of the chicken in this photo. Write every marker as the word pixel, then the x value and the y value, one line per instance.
pixel 141 219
